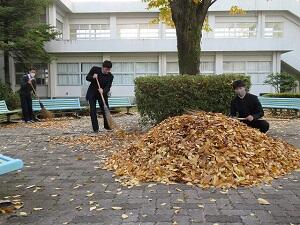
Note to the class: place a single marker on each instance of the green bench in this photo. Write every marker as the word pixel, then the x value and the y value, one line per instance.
pixel 120 102
pixel 4 110
pixel 58 104
pixel 280 103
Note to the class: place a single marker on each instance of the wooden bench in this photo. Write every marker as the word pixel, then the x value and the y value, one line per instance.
pixel 4 110
pixel 119 102
pixel 58 104
pixel 8 164
pixel 280 103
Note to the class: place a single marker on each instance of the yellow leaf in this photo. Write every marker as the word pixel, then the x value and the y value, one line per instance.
pixel 116 208
pixel 124 216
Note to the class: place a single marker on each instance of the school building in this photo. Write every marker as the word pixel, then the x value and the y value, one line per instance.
pixel 263 41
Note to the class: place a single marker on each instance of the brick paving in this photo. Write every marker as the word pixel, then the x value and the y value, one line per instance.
pixel 68 188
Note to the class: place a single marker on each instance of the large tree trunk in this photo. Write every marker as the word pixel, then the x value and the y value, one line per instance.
pixel 189 18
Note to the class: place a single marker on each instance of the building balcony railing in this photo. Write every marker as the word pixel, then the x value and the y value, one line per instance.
pixel 168 45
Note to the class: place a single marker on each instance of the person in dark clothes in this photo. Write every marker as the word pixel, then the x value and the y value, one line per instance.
pixel 27 82
pixel 248 107
pixel 105 79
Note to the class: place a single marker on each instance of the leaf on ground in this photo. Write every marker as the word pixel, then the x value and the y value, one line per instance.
pixel 263 201
pixel 116 208
pixel 37 209
pixel 124 216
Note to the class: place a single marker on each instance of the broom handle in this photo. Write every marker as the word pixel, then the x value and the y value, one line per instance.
pixel 34 91
pixel 100 92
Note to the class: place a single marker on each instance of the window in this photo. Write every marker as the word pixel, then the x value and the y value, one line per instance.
pixel 274 30
pixel 60 29
pixel 41 73
pixel 89 31
pixel 170 32
pixel 125 72
pixel 207 67
pixel 85 69
pixel 172 68
pixel 146 68
pixel 68 74
pixel 258 71
pixel 138 31
pixel 234 67
pixel 235 30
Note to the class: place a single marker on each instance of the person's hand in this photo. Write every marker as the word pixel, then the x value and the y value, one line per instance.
pixel 100 90
pixel 95 76
pixel 250 118
pixel 29 82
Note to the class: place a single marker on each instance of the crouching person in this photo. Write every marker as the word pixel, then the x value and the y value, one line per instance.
pixel 247 107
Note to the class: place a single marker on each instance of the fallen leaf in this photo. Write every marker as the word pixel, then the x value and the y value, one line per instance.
pixel 124 216
pixel 116 208
pixel 263 201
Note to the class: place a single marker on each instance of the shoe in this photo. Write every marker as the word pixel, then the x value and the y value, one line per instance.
pixel 31 121
pixel 96 131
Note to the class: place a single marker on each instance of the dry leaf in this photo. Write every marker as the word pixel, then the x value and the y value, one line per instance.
pixel 116 208
pixel 263 201
pixel 23 214
pixel 124 216
pixel 37 209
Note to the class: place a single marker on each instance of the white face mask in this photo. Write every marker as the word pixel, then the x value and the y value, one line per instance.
pixel 32 74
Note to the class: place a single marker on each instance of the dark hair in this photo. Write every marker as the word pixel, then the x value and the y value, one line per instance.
pixel 107 64
pixel 32 68
pixel 238 83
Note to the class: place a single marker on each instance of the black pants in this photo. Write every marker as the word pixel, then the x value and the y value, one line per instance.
pixel 93 113
pixel 26 104
pixel 261 125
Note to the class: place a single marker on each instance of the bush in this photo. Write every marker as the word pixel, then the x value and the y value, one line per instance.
pixel 283 95
pixel 282 82
pixel 159 97
pixel 12 99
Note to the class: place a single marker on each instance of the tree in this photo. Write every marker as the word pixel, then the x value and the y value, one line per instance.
pixel 23 32
pixel 189 19
pixel 282 82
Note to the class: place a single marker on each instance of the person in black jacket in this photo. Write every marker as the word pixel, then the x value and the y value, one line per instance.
pixel 27 82
pixel 248 107
pixel 105 79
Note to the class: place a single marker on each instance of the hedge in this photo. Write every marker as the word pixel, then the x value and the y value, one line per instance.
pixel 283 95
pixel 12 99
pixel 159 97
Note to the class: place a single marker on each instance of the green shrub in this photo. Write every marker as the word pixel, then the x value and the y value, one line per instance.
pixel 283 95
pixel 159 97
pixel 12 99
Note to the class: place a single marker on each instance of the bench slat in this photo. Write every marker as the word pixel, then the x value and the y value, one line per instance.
pixel 280 103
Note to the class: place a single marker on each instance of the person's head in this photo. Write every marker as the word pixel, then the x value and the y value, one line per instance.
pixel 32 71
pixel 106 67
pixel 239 87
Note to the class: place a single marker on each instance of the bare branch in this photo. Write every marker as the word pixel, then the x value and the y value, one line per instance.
pixel 213 2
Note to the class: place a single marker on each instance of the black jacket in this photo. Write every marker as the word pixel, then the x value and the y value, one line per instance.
pixel 105 81
pixel 26 88
pixel 249 105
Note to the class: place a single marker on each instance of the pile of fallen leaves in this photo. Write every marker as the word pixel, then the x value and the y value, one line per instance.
pixel 205 149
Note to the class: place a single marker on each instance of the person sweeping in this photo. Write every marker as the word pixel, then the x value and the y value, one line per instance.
pixel 99 77
pixel 28 84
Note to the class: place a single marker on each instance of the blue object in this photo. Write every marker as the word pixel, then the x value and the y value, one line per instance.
pixel 280 103
pixel 8 164
pixel 58 104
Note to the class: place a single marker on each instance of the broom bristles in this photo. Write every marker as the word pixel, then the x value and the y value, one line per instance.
pixel 45 114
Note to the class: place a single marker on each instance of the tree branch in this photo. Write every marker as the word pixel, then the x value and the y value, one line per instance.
pixel 213 2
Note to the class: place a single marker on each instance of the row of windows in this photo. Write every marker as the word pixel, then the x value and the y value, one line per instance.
pixel 151 31
pixel 73 74
pixel 126 72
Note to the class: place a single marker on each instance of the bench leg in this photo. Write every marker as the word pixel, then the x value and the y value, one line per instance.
pixel 8 118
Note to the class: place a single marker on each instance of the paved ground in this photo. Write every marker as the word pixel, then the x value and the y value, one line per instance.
pixel 68 185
